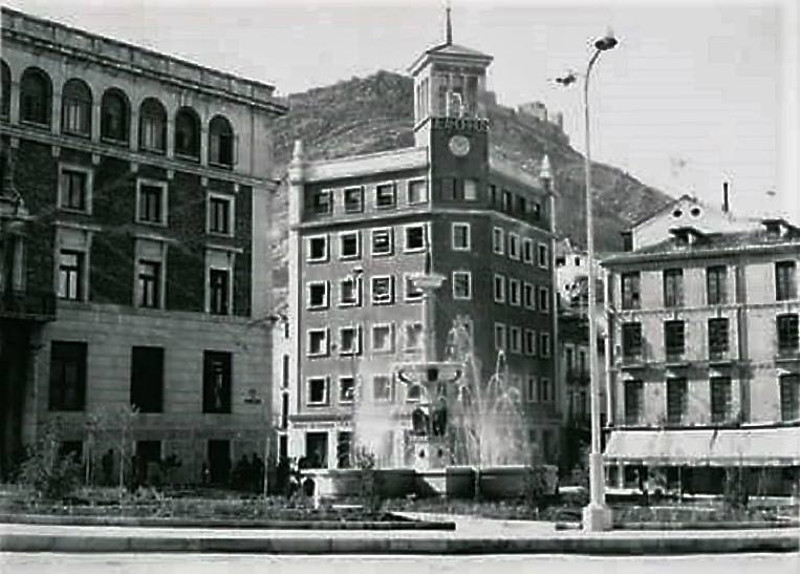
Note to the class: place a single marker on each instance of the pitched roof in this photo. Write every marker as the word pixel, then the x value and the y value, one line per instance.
pixel 455 50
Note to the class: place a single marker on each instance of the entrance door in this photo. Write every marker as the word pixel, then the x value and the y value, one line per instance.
pixel 219 460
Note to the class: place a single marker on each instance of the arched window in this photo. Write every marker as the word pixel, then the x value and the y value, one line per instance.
pixel 152 126
pixel 5 78
pixel 35 91
pixel 187 133
pixel 115 116
pixel 220 142
pixel 76 108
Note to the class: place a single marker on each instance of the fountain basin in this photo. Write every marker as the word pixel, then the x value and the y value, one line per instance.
pixel 509 481
pixel 339 483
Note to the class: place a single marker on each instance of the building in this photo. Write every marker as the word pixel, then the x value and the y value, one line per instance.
pixel 705 370
pixel 362 227
pixel 135 197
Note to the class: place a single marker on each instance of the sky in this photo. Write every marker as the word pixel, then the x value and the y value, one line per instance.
pixel 695 94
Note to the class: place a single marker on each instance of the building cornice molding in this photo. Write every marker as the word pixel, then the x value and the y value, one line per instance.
pixel 136 157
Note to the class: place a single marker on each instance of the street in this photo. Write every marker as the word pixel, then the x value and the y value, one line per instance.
pixel 46 563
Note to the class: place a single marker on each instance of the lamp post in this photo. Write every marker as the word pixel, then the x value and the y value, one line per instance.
pixel 596 516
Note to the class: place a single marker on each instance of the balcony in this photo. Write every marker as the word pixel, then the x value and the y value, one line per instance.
pixel 787 354
pixel 578 376
pixel 720 358
pixel 632 360
pixel 676 358
pixel 37 306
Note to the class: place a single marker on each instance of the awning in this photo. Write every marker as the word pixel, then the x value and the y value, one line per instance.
pixel 775 446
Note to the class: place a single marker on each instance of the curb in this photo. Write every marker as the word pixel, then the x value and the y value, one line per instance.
pixel 594 545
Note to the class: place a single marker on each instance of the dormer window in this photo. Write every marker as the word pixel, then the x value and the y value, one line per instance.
pixel 687 235
pixel 779 228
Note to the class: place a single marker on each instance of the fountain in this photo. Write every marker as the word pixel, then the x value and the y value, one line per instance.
pixel 456 436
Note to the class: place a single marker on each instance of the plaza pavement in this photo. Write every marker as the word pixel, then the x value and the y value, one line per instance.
pixel 471 536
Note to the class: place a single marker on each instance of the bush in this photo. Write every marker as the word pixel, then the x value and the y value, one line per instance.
pixel 536 487
pixel 53 476
pixel 369 488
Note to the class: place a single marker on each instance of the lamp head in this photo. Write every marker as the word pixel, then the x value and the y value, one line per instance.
pixel 607 42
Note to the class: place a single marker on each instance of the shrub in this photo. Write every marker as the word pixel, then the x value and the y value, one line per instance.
pixel 52 475
pixel 369 488
pixel 536 487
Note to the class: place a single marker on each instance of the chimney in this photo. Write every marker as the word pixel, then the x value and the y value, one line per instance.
pixel 725 200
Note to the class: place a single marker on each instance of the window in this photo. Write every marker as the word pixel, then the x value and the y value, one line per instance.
pixel 219 291
pixel 632 340
pixel 493 194
pixel 499 336
pixel 149 284
pixel 790 397
pixel 412 292
pixel 634 402
pixel 676 400
pixel 317 295
pixel 545 391
pixel 674 337
pixel 382 338
pixel 461 237
pixel 217 381
pixel 220 142
pixel 317 248
pixel 507 200
pixel 187 134
pixel 382 290
pixel 787 333
pixel 317 449
pixel 349 292
pixel 5 85
pixel 353 200
pixel 537 211
pixel 347 389
pixel 544 345
pixel 317 342
pixel 717 337
pixel 70 275
pixel 530 342
pixel 715 285
pixel 514 294
pixel 531 391
pixel 151 202
pixel 515 340
pixel 785 280
pixel 349 340
pixel 527 250
pixel 450 188
pixel 220 215
pixel 470 190
pixel 147 379
pixel 382 241
pixel 544 299
pixel 317 391
pixel 528 297
pixel 35 91
pixel 350 245
pixel 152 126
pixel 673 287
pixel 499 288
pixel 544 256
pixel 631 294
pixel 385 196
pixel 115 116
pixel 417 191
pixel 415 238
pixel 498 241
pixel 522 205
pixel 382 388
pixel 513 246
pixel 76 108
pixel 321 202
pixel 414 336
pixel 720 399
pixel 74 189
pixel 67 376
pixel 462 285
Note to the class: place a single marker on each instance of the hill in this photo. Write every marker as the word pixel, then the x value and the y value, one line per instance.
pixel 364 115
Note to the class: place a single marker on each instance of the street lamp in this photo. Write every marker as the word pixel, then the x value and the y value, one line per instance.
pixel 596 516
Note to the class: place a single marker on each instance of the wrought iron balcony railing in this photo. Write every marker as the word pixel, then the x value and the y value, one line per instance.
pixel 28 305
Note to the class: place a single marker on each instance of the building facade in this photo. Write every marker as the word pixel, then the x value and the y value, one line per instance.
pixel 136 194
pixel 362 227
pixel 706 364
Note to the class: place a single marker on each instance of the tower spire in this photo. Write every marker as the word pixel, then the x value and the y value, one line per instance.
pixel 449 26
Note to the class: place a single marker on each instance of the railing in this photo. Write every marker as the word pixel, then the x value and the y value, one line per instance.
pixel 28 305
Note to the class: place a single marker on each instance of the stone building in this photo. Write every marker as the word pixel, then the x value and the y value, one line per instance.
pixel 706 363
pixel 361 229
pixel 136 195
